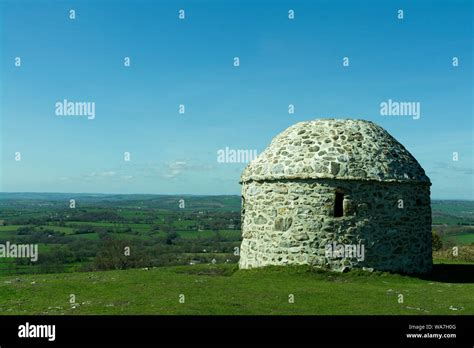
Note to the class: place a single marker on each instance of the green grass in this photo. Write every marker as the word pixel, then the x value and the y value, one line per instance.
pixel 467 238
pixel 140 227
pixel 232 234
pixel 7 234
pixel 209 234
pixel 62 229
pixel 89 236
pixel 448 262
pixel 97 224
pixel 179 224
pixel 10 227
pixel 222 289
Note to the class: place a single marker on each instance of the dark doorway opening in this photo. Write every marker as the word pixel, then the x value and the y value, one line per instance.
pixel 338 205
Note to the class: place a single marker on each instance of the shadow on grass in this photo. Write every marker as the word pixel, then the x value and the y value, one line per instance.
pixel 450 273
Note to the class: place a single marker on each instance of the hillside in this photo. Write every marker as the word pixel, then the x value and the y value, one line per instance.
pixel 222 289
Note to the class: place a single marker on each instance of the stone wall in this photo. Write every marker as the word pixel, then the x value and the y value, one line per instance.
pixel 292 222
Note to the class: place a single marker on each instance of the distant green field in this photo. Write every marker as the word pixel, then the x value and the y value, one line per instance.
pixel 89 236
pixel 8 231
pixel 7 234
pixel 10 227
pixel 62 229
pixel 453 212
pixel 455 208
pixel 221 289
pixel 133 226
pixel 183 223
pixel 140 227
pixel 455 234
pixel 209 234
pixel 462 238
pixel 99 224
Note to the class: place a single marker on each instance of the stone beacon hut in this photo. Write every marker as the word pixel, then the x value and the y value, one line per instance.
pixel 336 194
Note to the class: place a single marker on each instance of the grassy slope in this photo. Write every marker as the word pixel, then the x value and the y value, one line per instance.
pixel 220 289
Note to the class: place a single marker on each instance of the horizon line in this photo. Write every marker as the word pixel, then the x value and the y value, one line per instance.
pixel 174 194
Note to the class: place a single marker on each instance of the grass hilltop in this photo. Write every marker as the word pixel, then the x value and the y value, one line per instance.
pixel 222 289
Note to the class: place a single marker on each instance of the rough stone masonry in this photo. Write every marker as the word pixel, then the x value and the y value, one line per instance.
pixel 335 184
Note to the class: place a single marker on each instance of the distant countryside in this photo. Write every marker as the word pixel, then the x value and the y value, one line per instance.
pixel 157 231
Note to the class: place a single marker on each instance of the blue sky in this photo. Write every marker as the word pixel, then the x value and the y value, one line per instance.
pixel 190 62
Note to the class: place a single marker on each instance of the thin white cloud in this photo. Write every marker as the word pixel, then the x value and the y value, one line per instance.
pixel 103 174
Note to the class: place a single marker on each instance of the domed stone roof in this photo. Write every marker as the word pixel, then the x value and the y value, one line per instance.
pixel 335 149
